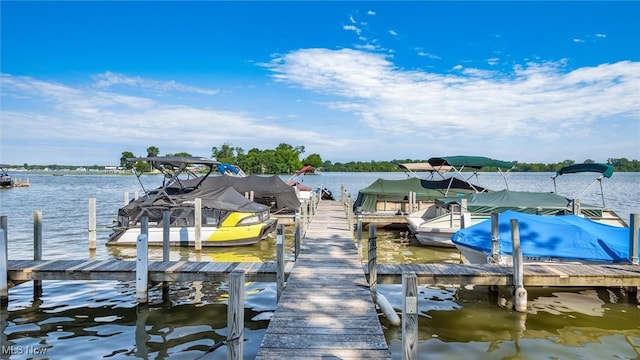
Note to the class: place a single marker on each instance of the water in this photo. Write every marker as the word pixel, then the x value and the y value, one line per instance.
pixel 100 319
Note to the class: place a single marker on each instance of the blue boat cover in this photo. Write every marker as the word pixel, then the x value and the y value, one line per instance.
pixel 565 237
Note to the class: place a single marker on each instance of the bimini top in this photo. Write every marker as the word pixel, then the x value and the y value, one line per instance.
pixel 566 237
pixel 176 161
pixel 476 162
pixel 605 169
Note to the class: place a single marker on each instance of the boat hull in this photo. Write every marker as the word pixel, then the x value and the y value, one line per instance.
pixel 186 236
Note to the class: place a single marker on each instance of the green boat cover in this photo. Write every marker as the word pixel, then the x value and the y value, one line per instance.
pixel 521 201
pixel 605 169
pixel 398 190
pixel 476 162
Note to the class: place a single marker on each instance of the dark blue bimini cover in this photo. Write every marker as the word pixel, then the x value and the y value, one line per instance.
pixel 566 237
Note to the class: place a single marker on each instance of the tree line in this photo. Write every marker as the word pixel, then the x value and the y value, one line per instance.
pixel 286 159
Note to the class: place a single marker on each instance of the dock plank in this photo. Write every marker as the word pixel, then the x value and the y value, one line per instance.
pixel 326 310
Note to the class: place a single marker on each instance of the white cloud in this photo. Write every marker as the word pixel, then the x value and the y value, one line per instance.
pixel 541 100
pixel 393 33
pixel 371 12
pixel 577 40
pixel 352 28
pixel 108 79
pixel 601 35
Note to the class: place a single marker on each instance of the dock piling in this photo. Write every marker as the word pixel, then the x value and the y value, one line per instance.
pixel 198 224
pixel 4 270
pixel 372 262
pixel 297 238
pixel 409 316
pixel 92 223
pixel 37 249
pixel 142 269
pixel 235 315
pixel 634 225
pixel 280 260
pixel 519 292
pixel 495 239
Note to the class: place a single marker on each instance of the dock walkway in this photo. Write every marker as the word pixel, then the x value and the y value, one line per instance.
pixel 326 310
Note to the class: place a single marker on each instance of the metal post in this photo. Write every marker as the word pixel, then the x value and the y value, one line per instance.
pixel 359 228
pixel 409 316
pixel 235 315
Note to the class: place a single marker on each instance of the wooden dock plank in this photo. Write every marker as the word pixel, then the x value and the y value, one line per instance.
pixel 326 310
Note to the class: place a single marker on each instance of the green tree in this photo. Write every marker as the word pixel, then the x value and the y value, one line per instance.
pixel 314 160
pixel 123 160
pixel 225 154
pixel 152 151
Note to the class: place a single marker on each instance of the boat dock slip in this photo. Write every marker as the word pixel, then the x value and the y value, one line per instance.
pixel 326 310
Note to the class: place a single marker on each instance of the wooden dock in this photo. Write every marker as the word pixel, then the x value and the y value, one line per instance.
pixel 326 310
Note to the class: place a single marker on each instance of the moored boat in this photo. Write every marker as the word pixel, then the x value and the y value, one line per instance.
pixel 227 217
pixel 543 238
pixel 5 178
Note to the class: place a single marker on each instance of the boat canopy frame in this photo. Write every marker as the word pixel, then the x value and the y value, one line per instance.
pixel 459 162
pixel 604 171
pixel 172 167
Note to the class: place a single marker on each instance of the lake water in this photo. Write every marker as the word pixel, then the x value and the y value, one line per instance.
pixel 100 319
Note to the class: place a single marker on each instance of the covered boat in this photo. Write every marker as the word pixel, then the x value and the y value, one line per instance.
pixel 437 231
pixel 392 196
pixel 227 217
pixel 568 238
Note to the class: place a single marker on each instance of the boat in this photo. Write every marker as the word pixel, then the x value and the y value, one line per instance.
pixel 478 207
pixel 228 217
pixel 304 191
pixel 231 170
pixel 546 239
pixel 435 222
pixel 5 179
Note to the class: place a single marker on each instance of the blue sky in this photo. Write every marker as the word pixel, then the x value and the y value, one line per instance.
pixel 81 82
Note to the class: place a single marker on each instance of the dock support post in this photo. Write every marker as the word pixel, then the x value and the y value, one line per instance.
pixel 92 223
pixel 519 292
pixel 409 316
pixel 280 261
pixel 577 210
pixel 37 249
pixel 126 198
pixel 235 315
pixel 198 224
pixel 359 232
pixel 166 246
pixel 634 225
pixel 372 260
pixel 4 270
pixel 296 237
pixel 142 269
pixel 350 212
pixel 495 239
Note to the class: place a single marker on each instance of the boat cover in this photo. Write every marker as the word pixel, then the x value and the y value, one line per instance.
pixel 156 202
pixel 540 203
pixel 268 190
pixel 398 190
pixel 476 162
pixel 566 237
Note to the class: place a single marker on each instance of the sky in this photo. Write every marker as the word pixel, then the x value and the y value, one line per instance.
pixel 535 82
